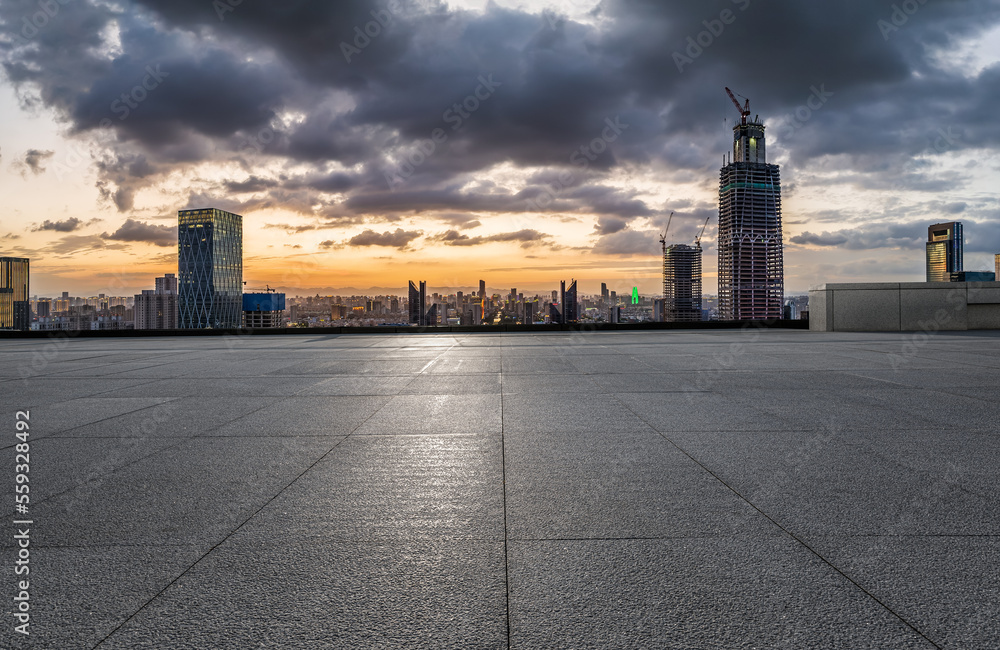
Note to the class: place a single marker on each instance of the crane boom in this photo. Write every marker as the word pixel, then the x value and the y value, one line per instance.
pixel 697 241
pixel 744 110
pixel 663 237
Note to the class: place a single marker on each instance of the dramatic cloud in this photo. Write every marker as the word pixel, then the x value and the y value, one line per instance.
pixel 464 116
pixel 67 225
pixel 526 238
pixel 398 239
pixel 137 231
pixel 627 243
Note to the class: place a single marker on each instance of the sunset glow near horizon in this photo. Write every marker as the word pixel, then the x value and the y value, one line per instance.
pixel 519 143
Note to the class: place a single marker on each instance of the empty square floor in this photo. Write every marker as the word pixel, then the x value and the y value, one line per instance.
pixel 672 489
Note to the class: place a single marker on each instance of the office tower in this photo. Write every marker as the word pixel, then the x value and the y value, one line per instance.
pixel 420 314
pixel 157 309
pixel 482 289
pixel 681 283
pixel 658 310
pixel 15 304
pixel 751 265
pixel 209 269
pixel 614 297
pixel 568 305
pixel 605 296
pixel 944 251
pixel 263 310
pixel 43 308
pixel 530 312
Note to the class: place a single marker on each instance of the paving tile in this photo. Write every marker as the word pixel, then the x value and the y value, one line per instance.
pixel 567 412
pixel 380 488
pixel 79 596
pixel 194 493
pixel 262 591
pixel 601 484
pixel 332 415
pixel 946 586
pixel 690 593
pixel 435 414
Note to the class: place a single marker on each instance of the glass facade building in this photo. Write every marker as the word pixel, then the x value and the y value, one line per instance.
pixel 15 306
pixel 945 250
pixel 209 269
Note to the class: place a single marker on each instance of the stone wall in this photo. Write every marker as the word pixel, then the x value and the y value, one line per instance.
pixel 904 306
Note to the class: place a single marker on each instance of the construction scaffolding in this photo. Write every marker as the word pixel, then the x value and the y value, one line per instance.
pixel 681 283
pixel 751 259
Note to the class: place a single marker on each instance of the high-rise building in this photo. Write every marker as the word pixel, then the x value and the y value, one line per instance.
pixel 209 269
pixel 263 310
pixel 996 261
pixel 482 289
pixel 605 296
pixel 166 284
pixel 568 310
pixel 15 303
pixel 681 283
pixel 157 309
pixel 944 251
pixel 420 314
pixel 751 262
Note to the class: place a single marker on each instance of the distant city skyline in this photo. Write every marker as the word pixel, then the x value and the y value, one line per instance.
pixel 579 127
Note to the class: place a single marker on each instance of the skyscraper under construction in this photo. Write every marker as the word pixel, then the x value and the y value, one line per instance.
pixel 681 283
pixel 751 265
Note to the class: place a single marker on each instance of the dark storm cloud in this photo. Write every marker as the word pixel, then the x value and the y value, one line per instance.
pixel 137 231
pixel 268 85
pixel 66 225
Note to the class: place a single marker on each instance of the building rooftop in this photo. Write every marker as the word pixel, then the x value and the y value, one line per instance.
pixel 693 489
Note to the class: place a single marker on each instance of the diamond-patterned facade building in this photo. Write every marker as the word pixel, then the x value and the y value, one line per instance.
pixel 209 269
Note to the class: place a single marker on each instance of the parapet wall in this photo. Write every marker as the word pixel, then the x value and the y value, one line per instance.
pixel 905 307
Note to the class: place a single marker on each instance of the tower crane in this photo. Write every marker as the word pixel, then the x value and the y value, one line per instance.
pixel 663 237
pixel 744 110
pixel 697 241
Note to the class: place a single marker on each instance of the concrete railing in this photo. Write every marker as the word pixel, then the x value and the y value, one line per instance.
pixel 904 306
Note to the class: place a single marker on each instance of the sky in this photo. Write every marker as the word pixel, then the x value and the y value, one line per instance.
pixel 371 143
